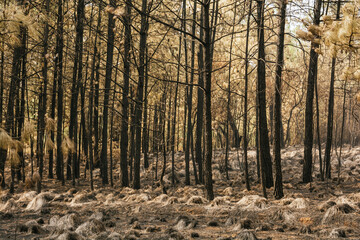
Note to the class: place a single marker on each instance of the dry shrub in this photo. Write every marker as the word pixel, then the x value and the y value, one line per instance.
pixel 67 146
pixel 5 140
pixel 253 202
pixel 196 200
pixel 299 203
pixel 50 125
pixel 13 157
pixel 49 144
pixel 28 131
pixel 90 228
pixel 30 182
pixel 220 201
pixel 138 198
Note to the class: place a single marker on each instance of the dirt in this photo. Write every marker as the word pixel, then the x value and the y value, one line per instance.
pixel 320 210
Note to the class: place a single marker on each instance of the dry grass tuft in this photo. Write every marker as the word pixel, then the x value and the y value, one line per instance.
pixel 49 144
pixel 28 131
pixel 67 146
pixel 13 157
pixel 5 140
pixel 50 125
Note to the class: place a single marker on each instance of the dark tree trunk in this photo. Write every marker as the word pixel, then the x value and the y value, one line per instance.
pixel 245 141
pixel 277 106
pixel 308 141
pixel 59 74
pixel 9 121
pixel 94 68
pixel 2 67
pixel 145 141
pixel 77 73
pixel 229 99
pixel 190 97
pixel 200 103
pixel 139 94
pixel 109 66
pixel 265 157
pixel 187 111
pixel 43 96
pixel 125 101
pixel 208 125
pixel 330 122
pixel 173 129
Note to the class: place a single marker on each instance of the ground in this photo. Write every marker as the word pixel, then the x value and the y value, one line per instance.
pixel 320 210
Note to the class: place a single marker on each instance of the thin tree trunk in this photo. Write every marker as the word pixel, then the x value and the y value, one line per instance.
pixel 277 106
pixel 43 96
pixel 2 67
pixel 308 141
pixel 77 71
pixel 59 74
pixel 208 124
pixel 109 66
pixel 139 95
pixel 112 122
pixel 200 104
pixel 330 122
pixel 187 111
pixel 245 141
pixel 265 157
pixel 125 101
pixel 342 133
pixel 229 99
pixel 173 130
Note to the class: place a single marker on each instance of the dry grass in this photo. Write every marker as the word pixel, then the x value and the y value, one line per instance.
pixel 5 140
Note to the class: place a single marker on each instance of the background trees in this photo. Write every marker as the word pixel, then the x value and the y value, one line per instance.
pixel 53 51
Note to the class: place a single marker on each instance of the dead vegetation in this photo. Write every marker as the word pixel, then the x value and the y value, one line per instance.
pixel 322 210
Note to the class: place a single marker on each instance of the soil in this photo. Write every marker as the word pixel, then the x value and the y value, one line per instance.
pixel 320 210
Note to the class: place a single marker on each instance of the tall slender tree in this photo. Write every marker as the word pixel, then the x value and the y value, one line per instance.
pixel 59 73
pixel 140 93
pixel 125 101
pixel 208 122
pixel 312 75
pixel 277 106
pixel 265 157
pixel 330 120
pixel 108 72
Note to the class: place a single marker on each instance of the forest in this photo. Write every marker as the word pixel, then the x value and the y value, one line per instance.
pixel 185 119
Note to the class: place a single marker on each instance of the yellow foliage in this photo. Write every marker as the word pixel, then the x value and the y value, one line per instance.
pixel 67 146
pixel 5 140
pixel 27 131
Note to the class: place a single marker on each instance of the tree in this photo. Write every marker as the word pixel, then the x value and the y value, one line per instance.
pixel 330 121
pixel 139 94
pixel 312 75
pixel 265 157
pixel 125 101
pixel 208 125
pixel 109 67
pixel 277 106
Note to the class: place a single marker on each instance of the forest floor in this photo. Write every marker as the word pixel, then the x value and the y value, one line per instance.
pixel 321 210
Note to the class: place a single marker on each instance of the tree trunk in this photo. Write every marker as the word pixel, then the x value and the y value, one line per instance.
pixel 59 74
pixel 200 103
pixel 125 101
pixel 208 124
pixel 139 95
pixel 330 122
pixel 265 157
pixel 245 141
pixel 109 66
pixel 308 141
pixel 77 73
pixel 277 106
